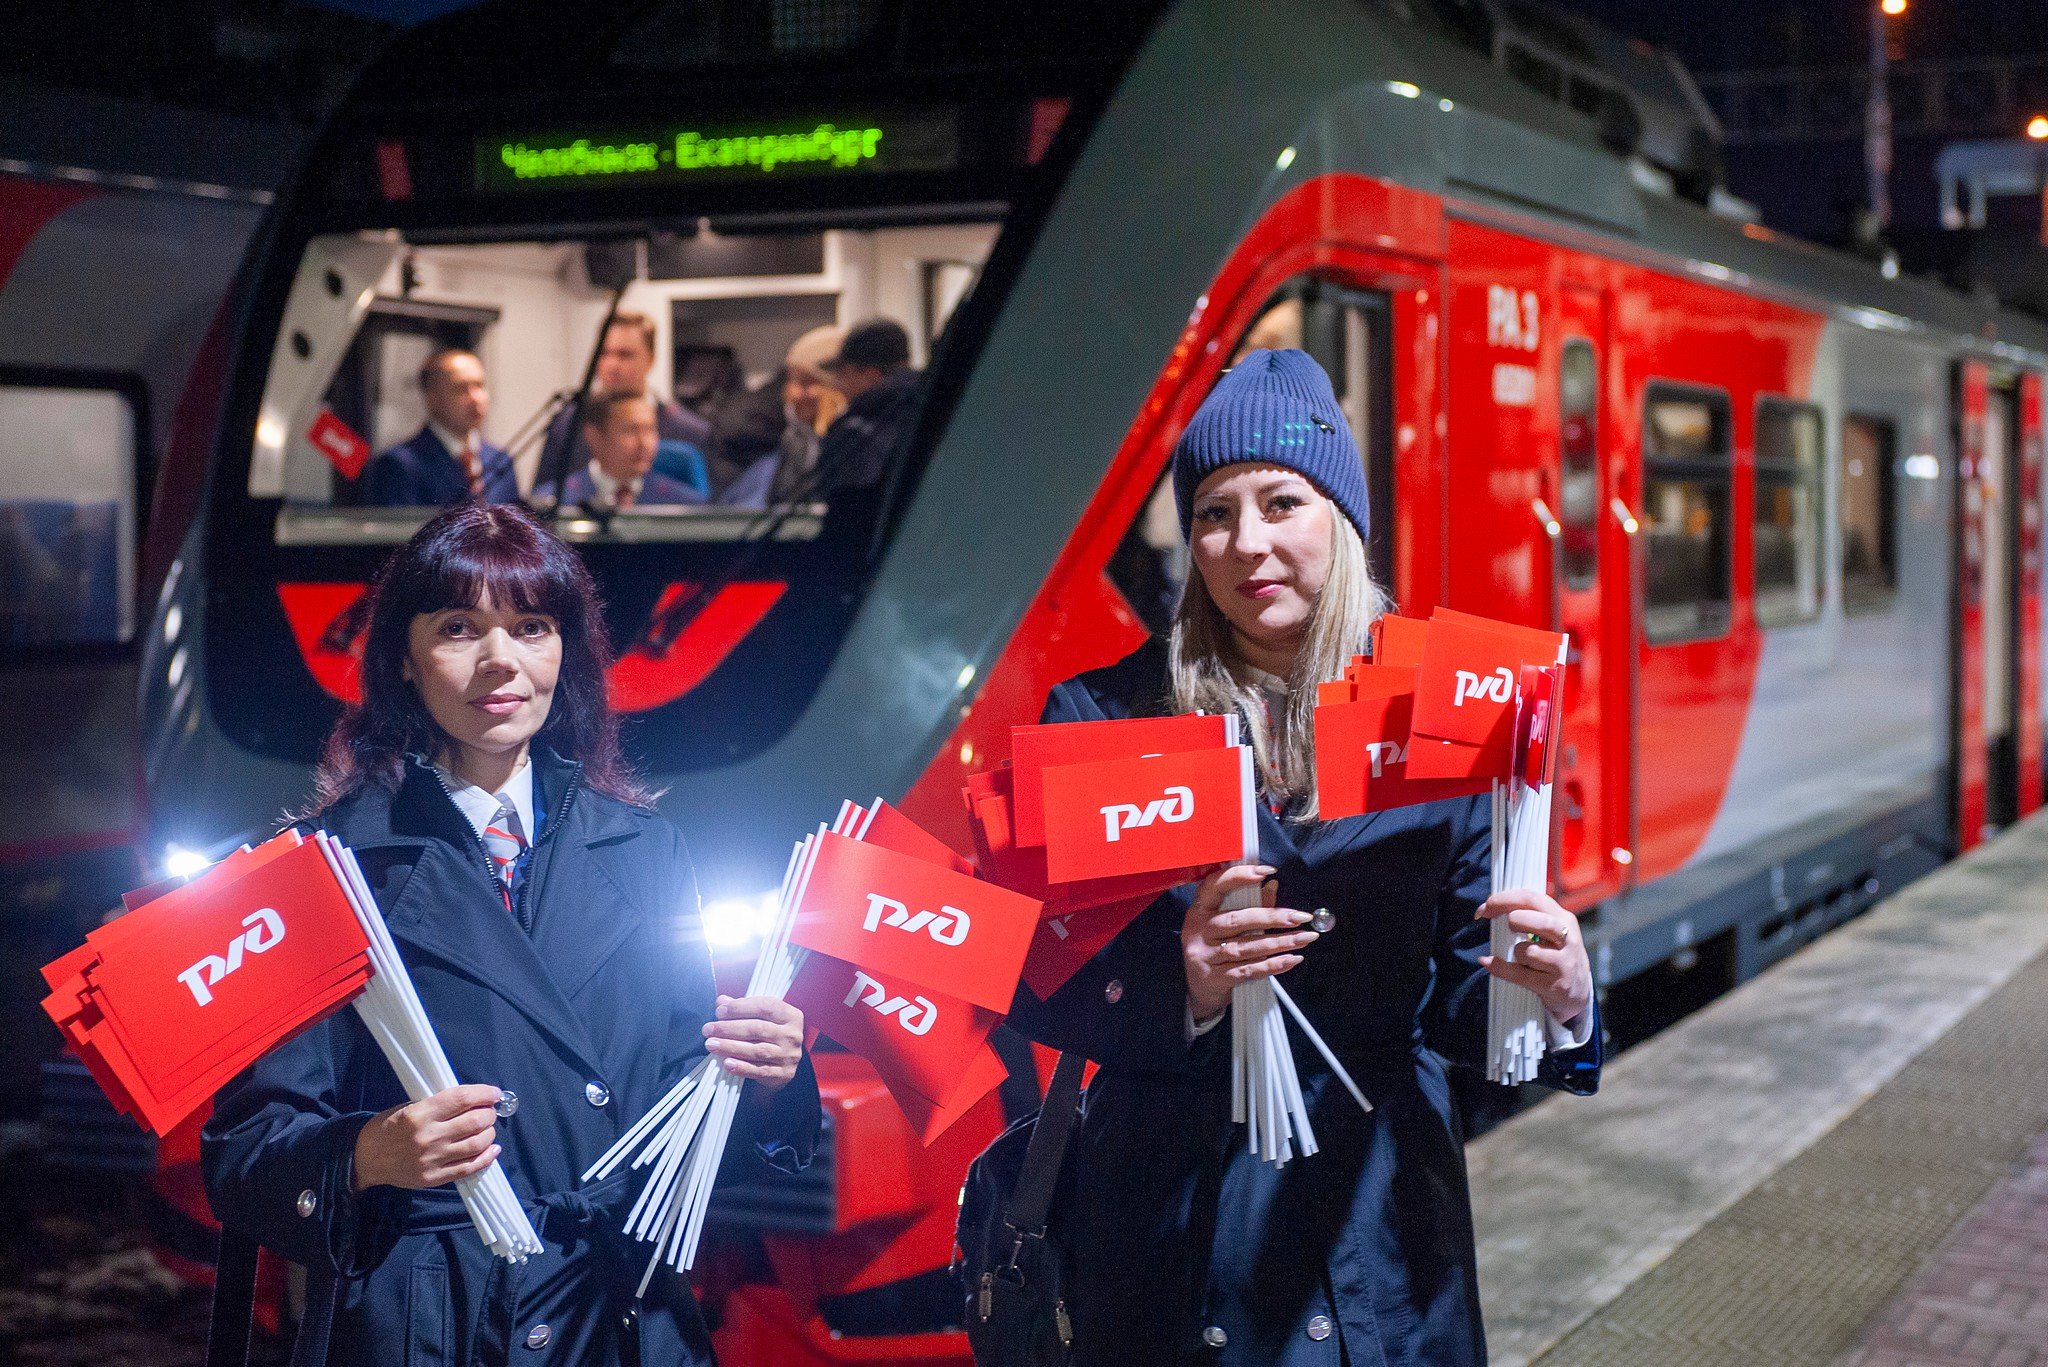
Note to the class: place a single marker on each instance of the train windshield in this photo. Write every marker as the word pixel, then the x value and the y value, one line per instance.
pixel 713 341
pixel 692 385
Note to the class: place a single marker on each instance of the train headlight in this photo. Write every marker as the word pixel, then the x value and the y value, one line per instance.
pixel 180 862
pixel 739 922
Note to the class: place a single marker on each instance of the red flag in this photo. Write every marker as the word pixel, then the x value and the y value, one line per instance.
pixel 892 830
pixel 1037 748
pixel 1064 943
pixel 1465 695
pixel 1128 816
pixel 168 1002
pixel 985 1072
pixel 336 440
pixel 1362 751
pixel 1021 868
pixel 918 1039
pixel 894 914
pixel 1398 640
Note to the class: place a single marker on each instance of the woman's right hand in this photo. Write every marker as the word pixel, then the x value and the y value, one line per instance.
pixel 450 1135
pixel 1221 949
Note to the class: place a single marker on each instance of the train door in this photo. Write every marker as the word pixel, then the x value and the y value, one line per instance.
pixel 1998 473
pixel 2029 636
pixel 1590 599
pixel 1969 770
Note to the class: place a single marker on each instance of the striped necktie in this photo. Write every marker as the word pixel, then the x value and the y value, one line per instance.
pixel 473 462
pixel 504 842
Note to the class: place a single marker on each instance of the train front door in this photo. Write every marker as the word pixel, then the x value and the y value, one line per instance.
pixel 1591 600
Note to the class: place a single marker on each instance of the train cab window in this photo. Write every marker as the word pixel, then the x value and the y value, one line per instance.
pixel 1579 492
pixel 1687 474
pixel 1787 530
pixel 1870 567
pixel 346 439
pixel 68 465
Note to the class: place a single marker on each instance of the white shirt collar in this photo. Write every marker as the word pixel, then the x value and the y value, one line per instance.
pixel 478 806
pixel 456 445
pixel 607 488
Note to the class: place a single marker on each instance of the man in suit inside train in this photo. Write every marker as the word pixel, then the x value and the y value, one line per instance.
pixel 448 459
pixel 621 432
pixel 625 365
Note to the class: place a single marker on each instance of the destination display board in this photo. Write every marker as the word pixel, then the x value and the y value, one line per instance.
pixel 829 145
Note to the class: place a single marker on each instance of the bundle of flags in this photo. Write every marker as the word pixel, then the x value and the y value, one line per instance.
pixel 1456 706
pixel 200 979
pixel 1095 819
pixel 889 944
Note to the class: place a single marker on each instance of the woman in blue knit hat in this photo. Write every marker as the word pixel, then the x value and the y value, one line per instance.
pixel 1187 1248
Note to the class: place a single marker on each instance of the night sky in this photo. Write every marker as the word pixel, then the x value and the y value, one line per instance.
pixel 1812 188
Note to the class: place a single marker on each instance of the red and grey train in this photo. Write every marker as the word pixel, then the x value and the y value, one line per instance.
pixel 1789 509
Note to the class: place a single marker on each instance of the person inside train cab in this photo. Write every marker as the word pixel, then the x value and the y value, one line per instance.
pixel 1186 1246
pixel 625 365
pixel 621 432
pixel 448 459
pixel 548 916
pixel 774 431
pixel 872 370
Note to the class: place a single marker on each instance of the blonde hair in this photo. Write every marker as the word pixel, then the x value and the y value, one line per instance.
pixel 1208 675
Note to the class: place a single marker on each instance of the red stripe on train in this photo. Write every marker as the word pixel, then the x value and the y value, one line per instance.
pixel 329 638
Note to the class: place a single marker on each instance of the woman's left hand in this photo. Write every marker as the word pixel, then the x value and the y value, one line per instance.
pixel 1553 965
pixel 757 1037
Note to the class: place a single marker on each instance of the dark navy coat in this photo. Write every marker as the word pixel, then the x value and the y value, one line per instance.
pixel 422 473
pixel 589 1019
pixel 1361 1254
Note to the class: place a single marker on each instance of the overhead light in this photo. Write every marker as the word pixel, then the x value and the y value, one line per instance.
pixel 1286 159
pixel 2037 128
pixel 1894 8
pixel 1407 90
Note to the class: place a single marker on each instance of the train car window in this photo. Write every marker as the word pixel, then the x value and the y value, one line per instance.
pixel 1870 567
pixel 68 465
pixel 1787 530
pixel 1687 474
pixel 346 441
pixel 1579 493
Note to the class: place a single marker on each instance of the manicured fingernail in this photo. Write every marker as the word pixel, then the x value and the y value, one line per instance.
pixel 1298 918
pixel 732 1065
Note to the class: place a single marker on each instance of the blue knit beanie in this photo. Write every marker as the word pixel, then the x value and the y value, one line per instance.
pixel 1273 408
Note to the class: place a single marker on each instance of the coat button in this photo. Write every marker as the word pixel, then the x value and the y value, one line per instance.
pixel 1323 922
pixel 1319 1327
pixel 1114 991
pixel 1214 1336
pixel 307 1204
pixel 538 1336
pixel 596 1093
pixel 629 1320
pixel 508 1103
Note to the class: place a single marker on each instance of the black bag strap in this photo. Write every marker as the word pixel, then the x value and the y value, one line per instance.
pixel 1032 1199
pixel 234 1300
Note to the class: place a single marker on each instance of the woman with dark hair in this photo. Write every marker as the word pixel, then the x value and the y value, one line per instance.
pixel 549 920
pixel 1188 1248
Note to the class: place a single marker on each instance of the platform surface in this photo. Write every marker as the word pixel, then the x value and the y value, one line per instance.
pixel 1816 1168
